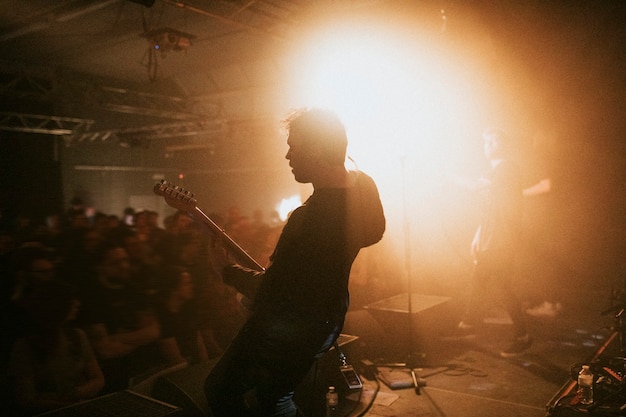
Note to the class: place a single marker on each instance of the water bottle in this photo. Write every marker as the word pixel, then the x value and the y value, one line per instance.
pixel 332 401
pixel 585 385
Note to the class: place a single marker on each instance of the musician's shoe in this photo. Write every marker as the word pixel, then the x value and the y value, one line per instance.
pixel 464 331
pixel 518 347
pixel 545 309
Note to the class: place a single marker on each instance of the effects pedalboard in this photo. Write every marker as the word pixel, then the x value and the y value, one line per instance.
pixel 351 377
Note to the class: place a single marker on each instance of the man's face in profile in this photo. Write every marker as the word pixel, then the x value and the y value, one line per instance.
pixel 303 158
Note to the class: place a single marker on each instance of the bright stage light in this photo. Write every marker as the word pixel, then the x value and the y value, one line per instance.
pixel 388 90
pixel 406 103
pixel 397 97
pixel 414 110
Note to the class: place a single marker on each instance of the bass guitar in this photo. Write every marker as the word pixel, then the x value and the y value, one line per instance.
pixel 181 199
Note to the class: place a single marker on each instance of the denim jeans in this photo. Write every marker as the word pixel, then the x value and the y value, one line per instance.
pixel 268 358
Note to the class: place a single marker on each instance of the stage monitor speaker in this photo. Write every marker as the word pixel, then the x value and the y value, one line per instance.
pixel 430 319
pixel 185 389
pixel 122 403
pixel 370 344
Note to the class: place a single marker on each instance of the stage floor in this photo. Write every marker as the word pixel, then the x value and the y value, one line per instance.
pixel 458 378
pixel 469 378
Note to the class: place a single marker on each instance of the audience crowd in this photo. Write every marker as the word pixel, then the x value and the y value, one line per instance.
pixel 92 304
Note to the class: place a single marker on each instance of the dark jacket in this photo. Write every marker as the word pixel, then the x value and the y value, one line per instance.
pixel 310 267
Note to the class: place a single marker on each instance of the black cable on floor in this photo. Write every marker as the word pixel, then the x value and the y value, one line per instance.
pixel 371 402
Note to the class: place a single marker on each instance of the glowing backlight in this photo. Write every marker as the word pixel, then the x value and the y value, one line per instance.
pixel 413 105
pixel 287 205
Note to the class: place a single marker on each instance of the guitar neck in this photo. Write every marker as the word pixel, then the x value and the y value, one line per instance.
pixel 182 199
pixel 241 256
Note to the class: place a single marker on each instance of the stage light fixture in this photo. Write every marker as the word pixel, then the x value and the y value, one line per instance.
pixel 147 3
pixel 167 39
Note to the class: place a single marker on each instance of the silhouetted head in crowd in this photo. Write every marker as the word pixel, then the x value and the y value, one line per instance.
pixel 113 265
pixel 53 304
pixel 176 282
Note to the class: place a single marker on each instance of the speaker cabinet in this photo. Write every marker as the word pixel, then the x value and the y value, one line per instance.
pixel 185 389
pixel 122 403
pixel 413 326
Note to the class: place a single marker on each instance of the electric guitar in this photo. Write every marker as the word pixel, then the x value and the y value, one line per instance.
pixel 181 199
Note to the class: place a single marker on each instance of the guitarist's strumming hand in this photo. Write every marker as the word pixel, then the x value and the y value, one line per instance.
pixel 219 261
pixel 226 257
pixel 218 255
pixel 181 199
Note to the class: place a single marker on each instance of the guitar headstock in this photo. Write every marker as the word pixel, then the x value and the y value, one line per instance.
pixel 175 196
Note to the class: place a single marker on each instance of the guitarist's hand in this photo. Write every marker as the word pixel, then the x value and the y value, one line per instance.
pixel 218 255
pixel 181 199
pixel 246 288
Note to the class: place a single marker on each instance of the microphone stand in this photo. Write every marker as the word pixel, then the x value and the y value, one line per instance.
pixel 412 358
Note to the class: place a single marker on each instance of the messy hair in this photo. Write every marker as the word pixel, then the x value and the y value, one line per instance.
pixel 321 127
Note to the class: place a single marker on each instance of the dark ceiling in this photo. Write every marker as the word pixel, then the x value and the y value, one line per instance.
pixel 100 69
pixel 75 68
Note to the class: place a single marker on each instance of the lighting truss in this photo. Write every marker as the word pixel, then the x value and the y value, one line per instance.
pixel 42 124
